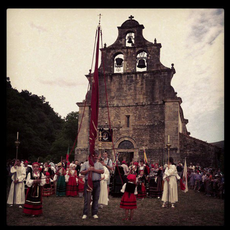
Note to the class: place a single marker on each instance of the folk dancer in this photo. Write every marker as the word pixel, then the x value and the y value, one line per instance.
pixel 47 189
pixel 128 200
pixel 141 181
pixel 72 180
pixel 60 178
pixel 143 167
pixel 155 181
pixel 17 188
pixel 81 184
pixel 50 185
pixel 170 177
pixel 134 168
pixel 34 181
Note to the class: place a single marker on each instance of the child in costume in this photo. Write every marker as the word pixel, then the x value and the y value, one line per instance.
pixel 81 184
pixel 47 189
pixel 141 181
pixel 128 200
pixel 35 180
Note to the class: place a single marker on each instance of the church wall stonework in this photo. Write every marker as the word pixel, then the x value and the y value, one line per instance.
pixel 143 106
pixel 197 151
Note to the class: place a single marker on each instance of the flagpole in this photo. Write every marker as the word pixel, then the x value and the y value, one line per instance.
pixel 94 117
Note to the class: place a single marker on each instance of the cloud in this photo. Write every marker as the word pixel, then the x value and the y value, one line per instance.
pixel 199 80
pixel 205 26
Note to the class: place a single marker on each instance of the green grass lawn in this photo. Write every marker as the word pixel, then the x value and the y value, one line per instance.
pixel 192 209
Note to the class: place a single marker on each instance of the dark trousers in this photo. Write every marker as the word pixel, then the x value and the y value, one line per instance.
pixel 95 193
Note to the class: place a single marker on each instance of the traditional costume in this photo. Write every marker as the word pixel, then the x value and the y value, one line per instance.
pixel 33 203
pixel 71 179
pixel 155 182
pixel 60 178
pixel 103 198
pixel 170 192
pixel 128 200
pixel 47 188
pixel 141 181
pixel 81 184
pixel 134 168
pixel 17 191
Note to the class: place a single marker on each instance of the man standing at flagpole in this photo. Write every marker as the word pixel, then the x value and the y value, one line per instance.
pixel 96 170
pixel 93 169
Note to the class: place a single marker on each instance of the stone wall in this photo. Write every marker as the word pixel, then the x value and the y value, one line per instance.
pixel 197 151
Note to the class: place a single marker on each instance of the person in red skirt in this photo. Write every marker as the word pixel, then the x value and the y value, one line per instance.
pixel 141 181
pixel 128 200
pixel 35 180
pixel 47 189
pixel 81 184
pixel 71 187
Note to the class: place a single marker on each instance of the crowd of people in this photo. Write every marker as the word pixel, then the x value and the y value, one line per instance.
pixel 208 180
pixel 140 180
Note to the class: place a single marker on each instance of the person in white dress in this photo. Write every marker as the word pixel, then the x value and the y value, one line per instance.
pixel 17 188
pixel 170 194
pixel 103 198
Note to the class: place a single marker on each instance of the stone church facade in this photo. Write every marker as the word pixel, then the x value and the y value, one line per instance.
pixel 144 108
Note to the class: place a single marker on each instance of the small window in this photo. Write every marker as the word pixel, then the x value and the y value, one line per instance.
pixel 127 121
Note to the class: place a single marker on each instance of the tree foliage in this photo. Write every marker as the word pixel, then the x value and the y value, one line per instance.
pixel 43 133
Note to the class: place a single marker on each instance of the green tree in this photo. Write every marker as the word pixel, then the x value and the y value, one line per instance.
pixel 34 119
pixel 43 133
pixel 66 137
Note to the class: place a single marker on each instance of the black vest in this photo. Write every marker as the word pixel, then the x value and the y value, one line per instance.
pixel 130 188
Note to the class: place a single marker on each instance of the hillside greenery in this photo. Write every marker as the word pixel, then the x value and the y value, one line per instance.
pixel 43 134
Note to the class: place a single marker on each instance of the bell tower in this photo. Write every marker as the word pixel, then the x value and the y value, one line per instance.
pixel 143 106
pixel 137 53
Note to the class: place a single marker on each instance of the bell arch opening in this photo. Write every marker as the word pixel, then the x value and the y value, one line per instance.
pixel 130 39
pixel 118 62
pixel 141 61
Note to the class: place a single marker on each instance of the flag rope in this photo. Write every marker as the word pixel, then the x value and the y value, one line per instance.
pixel 88 89
pixel 107 105
pixel 107 102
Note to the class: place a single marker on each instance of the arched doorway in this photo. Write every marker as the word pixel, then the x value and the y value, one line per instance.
pixel 126 149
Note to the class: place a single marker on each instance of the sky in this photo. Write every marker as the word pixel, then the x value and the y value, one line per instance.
pixel 49 52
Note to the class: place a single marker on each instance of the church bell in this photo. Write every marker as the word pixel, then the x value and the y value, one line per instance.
pixel 141 63
pixel 119 62
pixel 130 39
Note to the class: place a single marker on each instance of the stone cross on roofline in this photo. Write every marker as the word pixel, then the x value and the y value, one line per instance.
pixel 131 17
